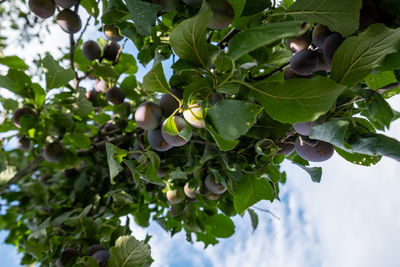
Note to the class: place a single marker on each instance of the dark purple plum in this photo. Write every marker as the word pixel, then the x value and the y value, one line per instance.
pixel 175 140
pixel 148 115
pixel 42 8
pixel 290 74
pixel 313 150
pixel 175 196
pixel 304 128
pixel 298 43
pixel 115 96
pixel 67 255
pixel 368 14
pixel 71 173
pixel 331 44
pixel 322 64
pixel 169 104
pixel 110 51
pixel 66 3
pixel 216 98
pixel 19 113
pixel 320 34
pixel 53 152
pixel 101 257
pixel 223 14
pixel 69 21
pixel 213 186
pixel 92 96
pixel 91 50
pixel 304 62
pixel 93 249
pixel 285 149
pixel 157 141
pixel 112 33
pixel 24 143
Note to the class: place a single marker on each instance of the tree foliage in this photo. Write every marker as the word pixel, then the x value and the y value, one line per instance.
pixel 84 143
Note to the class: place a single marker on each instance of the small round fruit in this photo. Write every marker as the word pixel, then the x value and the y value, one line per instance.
pixel 298 43
pixel 110 51
pixel 322 64
pixel 189 192
pixel 112 33
pixel 169 104
pixel 223 14
pixel 285 149
pixel 69 21
pixel 194 116
pixel 156 140
pixel 304 128
pixel 304 62
pixel 290 74
pixel 24 143
pixel 319 35
pixel 101 257
pixel 71 173
pixel 66 3
pixel 19 113
pixel 331 44
pixel 368 15
pixel 92 96
pixel 175 196
pixel 213 186
pixel 42 8
pixel 148 115
pixel 91 50
pixel 100 85
pixel 175 140
pixel 313 150
pixel 67 255
pixel 93 249
pixel 53 152
pixel 115 96
pixel 192 2
pixel 216 98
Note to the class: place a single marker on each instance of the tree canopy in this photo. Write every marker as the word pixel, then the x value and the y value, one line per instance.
pixel 253 82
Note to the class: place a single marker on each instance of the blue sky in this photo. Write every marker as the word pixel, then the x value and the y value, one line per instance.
pixel 350 219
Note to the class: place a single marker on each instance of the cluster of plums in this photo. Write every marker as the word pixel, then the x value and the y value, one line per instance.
pixel 209 189
pixel 68 20
pixel 149 116
pixel 97 251
pixel 307 59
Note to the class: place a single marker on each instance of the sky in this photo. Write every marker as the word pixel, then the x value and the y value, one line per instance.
pixel 350 219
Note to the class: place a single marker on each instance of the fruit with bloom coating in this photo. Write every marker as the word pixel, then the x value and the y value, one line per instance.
pixel 148 115
pixel 91 50
pixel 69 21
pixel 175 140
pixel 157 141
pixel 112 33
pixel 19 113
pixel 313 150
pixel 42 8
pixel 175 196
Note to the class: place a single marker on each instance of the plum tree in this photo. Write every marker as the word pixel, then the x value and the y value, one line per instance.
pixel 24 143
pixel 189 192
pixel 175 196
pixel 66 3
pixel 91 50
pixel 19 113
pixel 110 51
pixel 157 141
pixel 101 257
pixel 115 95
pixel 112 33
pixel 299 43
pixel 42 8
pixel 320 34
pixel 213 186
pixel 175 140
pixel 168 103
pixel 69 21
pixel 223 14
pixel 304 62
pixel 53 152
pixel 313 150
pixel 331 44
pixel 148 115
pixel 93 249
pixel 194 116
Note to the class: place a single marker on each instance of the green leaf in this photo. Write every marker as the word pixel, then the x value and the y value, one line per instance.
pixel 357 158
pixel 378 80
pixel 223 144
pixel 144 15
pixel 188 39
pixel 233 118
pixel 13 62
pixel 86 261
pixel 253 218
pixel 332 131
pixel 129 252
pixel 155 81
pixel 252 7
pixel 17 82
pixel 358 55
pixel 220 226
pixel 260 36
pixel 297 100
pixel 91 6
pixel 249 191
pixel 314 172
pixel 379 110
pixel 340 15
pixel 148 169
pixel 56 76
pixel 115 156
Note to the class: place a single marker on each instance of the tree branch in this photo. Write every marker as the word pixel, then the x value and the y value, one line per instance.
pixel 119 52
pixel 225 41
pixel 31 167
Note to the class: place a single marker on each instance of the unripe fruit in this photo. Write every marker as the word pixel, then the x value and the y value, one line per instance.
pixel 189 192
pixel 331 44
pixel 285 149
pixel 24 143
pixel 194 116
pixel 91 50
pixel 298 43
pixel 156 140
pixel 212 196
pixel 175 196
pixel 42 8
pixel 110 51
pixel 22 112
pixel 53 152
pixel 304 62
pixel 101 257
pixel 223 14
pixel 112 33
pixel 115 96
pixel 320 34
pixel 93 249
pixel 66 3
pixel 148 115
pixel 313 150
pixel 213 186
pixel 175 140
pixel 69 21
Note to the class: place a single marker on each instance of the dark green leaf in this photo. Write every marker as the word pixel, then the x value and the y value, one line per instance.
pixel 114 159
pixel 56 76
pixel 129 252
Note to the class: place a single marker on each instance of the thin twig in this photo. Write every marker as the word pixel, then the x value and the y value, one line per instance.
pixel 31 167
pixel 225 41
pixel 119 52
pixel 82 32
pixel 267 211
pixel 262 77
